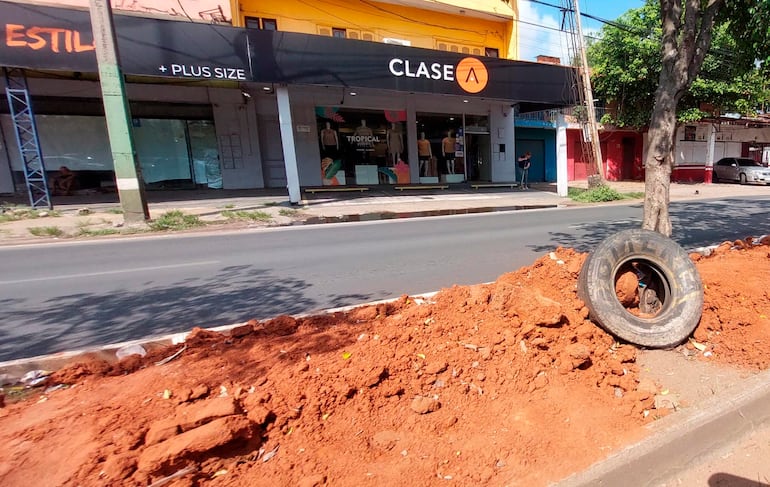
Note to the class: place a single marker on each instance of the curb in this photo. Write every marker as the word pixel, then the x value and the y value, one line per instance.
pixel 681 438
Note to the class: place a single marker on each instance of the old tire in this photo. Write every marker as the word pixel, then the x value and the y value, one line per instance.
pixel 667 274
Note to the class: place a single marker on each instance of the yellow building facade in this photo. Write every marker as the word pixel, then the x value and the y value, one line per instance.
pixel 479 28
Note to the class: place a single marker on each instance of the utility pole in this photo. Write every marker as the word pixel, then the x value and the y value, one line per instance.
pixel 128 172
pixel 591 124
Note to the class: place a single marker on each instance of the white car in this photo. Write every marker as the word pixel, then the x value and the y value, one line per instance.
pixel 741 169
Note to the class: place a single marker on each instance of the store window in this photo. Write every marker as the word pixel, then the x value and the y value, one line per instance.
pixel 453 148
pixel 445 133
pixel 491 52
pixel 362 147
pixel 340 33
pixel 172 152
pixel 177 153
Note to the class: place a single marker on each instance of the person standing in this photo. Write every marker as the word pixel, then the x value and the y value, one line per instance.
pixel 524 162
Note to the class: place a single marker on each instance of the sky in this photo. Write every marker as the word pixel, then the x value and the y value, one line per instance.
pixel 543 37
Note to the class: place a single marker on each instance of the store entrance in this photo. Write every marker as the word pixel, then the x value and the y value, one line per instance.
pixel 479 157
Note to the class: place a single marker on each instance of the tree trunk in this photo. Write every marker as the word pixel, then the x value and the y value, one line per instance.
pixel 660 160
pixel 686 39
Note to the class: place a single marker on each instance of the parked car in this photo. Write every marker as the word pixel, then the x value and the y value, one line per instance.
pixel 740 169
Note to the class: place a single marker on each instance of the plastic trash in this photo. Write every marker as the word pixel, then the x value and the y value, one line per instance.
pixel 34 377
pixel 129 350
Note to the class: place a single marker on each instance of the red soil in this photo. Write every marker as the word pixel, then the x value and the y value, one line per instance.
pixel 502 383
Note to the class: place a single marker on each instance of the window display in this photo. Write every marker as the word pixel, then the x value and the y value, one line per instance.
pixel 362 147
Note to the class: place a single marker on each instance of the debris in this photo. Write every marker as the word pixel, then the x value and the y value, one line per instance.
pixel 701 347
pixel 346 355
pixel 34 377
pixel 128 350
pixel 172 357
pixel 670 401
pixel 270 454
pixel 179 473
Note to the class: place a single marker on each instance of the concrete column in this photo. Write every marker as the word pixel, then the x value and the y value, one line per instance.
pixel 710 146
pixel 128 173
pixel 287 139
pixel 561 156
pixel 411 139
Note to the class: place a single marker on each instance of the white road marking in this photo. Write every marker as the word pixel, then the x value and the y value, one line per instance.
pixel 108 273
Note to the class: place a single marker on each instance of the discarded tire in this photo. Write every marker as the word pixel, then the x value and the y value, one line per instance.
pixel 669 289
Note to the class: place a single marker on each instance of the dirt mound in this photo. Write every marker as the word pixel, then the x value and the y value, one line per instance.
pixel 476 384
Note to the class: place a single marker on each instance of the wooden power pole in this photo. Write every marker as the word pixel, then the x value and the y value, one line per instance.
pixel 591 129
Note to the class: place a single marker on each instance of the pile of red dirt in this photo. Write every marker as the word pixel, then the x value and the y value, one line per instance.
pixel 492 384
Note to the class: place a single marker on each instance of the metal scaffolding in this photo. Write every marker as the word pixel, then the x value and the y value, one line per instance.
pixel 26 137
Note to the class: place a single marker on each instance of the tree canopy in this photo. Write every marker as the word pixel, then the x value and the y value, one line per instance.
pixel 626 64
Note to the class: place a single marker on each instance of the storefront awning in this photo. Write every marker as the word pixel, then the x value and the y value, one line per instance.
pixel 50 38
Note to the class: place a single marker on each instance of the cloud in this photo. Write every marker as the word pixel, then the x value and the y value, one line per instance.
pixel 539 33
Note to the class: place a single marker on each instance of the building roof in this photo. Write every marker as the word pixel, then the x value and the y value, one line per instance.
pixel 488 9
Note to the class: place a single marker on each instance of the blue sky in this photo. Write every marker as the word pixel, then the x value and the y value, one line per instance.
pixel 543 37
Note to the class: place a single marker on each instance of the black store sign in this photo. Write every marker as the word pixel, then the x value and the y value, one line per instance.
pixel 50 38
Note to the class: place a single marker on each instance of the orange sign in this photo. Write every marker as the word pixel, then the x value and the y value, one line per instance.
pixel 471 75
pixel 50 38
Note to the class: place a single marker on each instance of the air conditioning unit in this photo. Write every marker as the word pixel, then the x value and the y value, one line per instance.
pixel 393 40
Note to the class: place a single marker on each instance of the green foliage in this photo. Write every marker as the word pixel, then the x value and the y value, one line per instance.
pixel 748 20
pixel 600 194
pixel 175 220
pixel 90 232
pixel 254 215
pixel 287 212
pixel 626 65
pixel 46 231
pixel 115 211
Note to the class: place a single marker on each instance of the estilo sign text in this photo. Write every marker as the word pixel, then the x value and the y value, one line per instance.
pixel 51 38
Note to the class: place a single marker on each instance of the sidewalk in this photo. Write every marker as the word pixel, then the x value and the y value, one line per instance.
pixel 99 215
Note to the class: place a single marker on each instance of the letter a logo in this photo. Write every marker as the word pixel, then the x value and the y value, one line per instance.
pixel 472 75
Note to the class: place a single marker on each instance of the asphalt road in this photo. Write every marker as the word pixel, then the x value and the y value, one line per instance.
pixel 68 296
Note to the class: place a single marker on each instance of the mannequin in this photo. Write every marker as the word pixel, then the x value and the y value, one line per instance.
pixel 448 151
pixel 364 140
pixel 424 153
pixel 363 131
pixel 330 142
pixel 395 143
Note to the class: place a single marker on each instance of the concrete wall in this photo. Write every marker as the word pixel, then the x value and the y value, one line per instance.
pixel 236 125
pixel 729 142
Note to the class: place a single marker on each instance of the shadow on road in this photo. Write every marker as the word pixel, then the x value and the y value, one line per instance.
pixel 695 224
pixel 78 321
